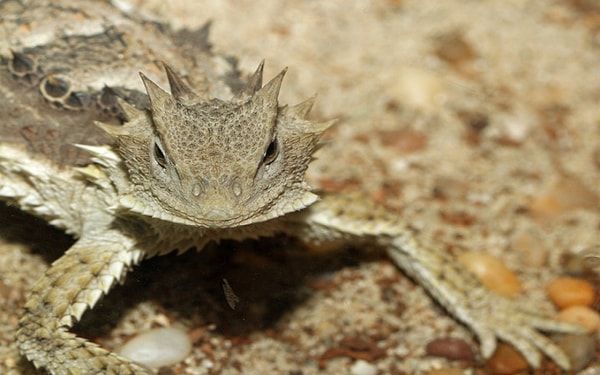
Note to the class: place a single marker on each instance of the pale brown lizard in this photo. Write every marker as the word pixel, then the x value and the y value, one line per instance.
pixel 185 169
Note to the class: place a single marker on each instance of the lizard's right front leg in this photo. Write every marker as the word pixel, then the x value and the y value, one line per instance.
pixel 74 283
pixel 354 220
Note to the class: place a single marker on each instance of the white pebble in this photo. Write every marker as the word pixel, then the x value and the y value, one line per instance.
pixel 361 367
pixel 417 87
pixel 158 347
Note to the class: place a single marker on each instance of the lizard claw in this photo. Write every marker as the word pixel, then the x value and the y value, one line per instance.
pixel 489 315
pixel 494 317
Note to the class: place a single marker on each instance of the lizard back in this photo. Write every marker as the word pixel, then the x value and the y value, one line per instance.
pixel 61 68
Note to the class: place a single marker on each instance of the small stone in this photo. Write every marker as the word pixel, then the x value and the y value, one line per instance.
pixel 581 349
pixel 531 248
pixel 450 188
pixel 361 367
pixel 403 141
pixel 492 272
pixel 417 87
pixel 158 347
pixel 453 48
pixel 450 348
pixel 5 290
pixel 569 291
pixel 514 127
pixel 596 156
pixel 566 194
pixel 446 371
pixel 506 360
pixel 582 316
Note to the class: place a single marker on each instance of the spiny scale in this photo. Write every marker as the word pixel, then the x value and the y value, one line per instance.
pixel 254 83
pixel 179 89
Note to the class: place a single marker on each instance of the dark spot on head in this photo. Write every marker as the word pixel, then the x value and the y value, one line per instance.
pixel 54 87
pixel 22 64
pixel 107 98
pixel 76 100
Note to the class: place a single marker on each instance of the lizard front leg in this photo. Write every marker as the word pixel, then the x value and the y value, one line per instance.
pixel 74 283
pixel 488 315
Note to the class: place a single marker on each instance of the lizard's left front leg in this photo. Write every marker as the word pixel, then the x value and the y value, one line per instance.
pixel 73 284
pixel 490 316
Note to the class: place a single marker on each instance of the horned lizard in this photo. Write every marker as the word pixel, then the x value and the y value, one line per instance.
pixel 223 161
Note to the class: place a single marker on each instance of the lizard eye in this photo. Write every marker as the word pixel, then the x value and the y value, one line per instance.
pixel 271 152
pixel 159 156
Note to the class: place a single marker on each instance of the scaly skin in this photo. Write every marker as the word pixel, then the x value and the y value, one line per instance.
pixel 88 270
pixel 74 283
pixel 489 315
pixel 183 170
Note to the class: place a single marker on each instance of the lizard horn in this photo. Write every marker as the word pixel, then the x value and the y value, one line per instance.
pixel 254 83
pixel 179 89
pixel 269 92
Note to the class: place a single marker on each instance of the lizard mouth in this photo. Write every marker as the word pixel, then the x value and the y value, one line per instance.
pixel 217 217
pixel 221 217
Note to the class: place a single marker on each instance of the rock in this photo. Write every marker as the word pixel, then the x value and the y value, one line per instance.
pixel 582 316
pixel 158 347
pixel 570 291
pixel 361 367
pixel 506 360
pixel 450 348
pixel 492 272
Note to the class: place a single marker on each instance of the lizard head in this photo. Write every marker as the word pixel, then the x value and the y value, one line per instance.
pixel 204 161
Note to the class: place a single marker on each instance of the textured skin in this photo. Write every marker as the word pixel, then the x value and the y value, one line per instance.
pixel 183 170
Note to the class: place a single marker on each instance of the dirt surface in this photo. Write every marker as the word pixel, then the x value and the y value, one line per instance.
pixel 478 121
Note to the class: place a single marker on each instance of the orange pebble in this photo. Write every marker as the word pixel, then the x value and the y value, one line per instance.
pixel 582 316
pixel 506 360
pixel 491 272
pixel 566 194
pixel 446 371
pixel 570 291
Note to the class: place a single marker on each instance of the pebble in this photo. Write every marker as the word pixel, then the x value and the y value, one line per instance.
pixel 565 195
pixel 158 347
pixel 446 371
pixel 514 127
pixel 506 360
pixel 581 349
pixel 453 48
pixel 450 348
pixel 417 87
pixel 361 367
pixel 569 291
pixel 582 316
pixel 403 141
pixel 492 272
pixel 450 188
pixel 531 248
pixel 5 291
pixel 596 157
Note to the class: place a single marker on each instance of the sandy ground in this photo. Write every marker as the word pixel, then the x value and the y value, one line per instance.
pixel 478 121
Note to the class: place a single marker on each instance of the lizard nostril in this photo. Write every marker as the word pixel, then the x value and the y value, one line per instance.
pixel 236 187
pixel 197 189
